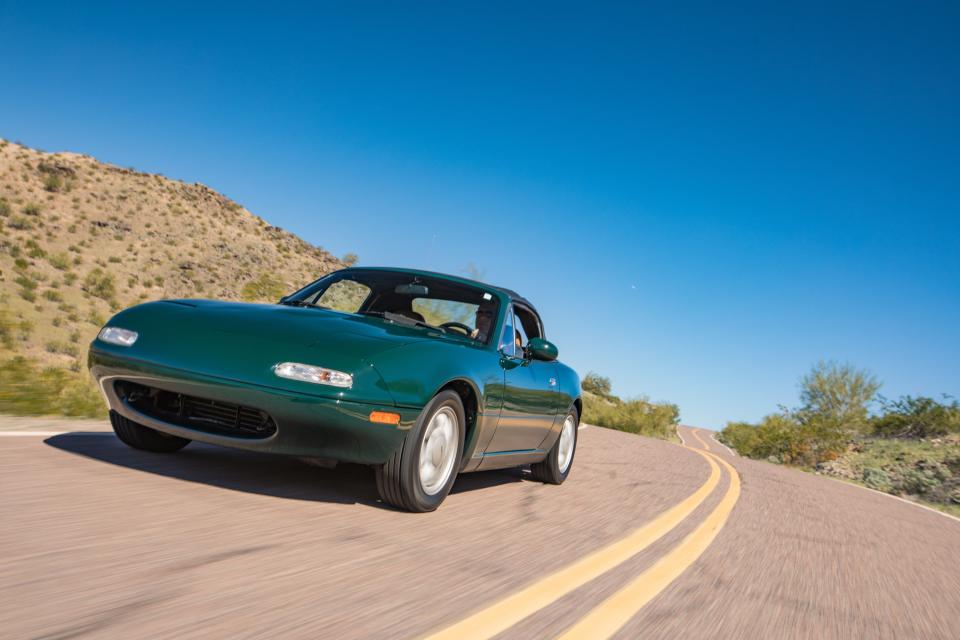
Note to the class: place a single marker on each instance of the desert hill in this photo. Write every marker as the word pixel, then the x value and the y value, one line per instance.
pixel 80 239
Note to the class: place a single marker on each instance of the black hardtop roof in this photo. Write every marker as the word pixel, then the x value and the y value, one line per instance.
pixel 513 295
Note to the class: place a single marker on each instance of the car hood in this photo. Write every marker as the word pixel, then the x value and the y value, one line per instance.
pixel 243 341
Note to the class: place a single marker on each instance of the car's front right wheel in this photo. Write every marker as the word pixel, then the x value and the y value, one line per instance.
pixel 421 472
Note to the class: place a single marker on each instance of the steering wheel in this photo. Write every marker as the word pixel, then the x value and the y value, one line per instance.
pixel 457 325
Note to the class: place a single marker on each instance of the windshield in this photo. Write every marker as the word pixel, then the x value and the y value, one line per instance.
pixel 405 298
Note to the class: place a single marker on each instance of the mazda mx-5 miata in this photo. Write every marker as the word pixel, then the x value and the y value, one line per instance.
pixel 420 375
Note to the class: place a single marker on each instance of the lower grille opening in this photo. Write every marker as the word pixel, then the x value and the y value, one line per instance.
pixel 202 414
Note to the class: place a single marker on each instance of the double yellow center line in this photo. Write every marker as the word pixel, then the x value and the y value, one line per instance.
pixel 610 615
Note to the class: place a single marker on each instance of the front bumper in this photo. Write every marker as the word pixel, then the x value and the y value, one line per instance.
pixel 306 425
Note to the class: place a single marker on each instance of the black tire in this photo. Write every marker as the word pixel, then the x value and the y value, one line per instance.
pixel 398 481
pixel 140 437
pixel 548 470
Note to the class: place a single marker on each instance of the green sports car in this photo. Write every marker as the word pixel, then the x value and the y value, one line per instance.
pixel 417 374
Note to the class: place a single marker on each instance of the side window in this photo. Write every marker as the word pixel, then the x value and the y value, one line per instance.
pixel 343 295
pixel 519 335
pixel 527 326
pixel 507 344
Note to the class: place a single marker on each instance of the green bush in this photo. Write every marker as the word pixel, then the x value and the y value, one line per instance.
pixel 779 436
pixel 824 438
pixel 919 417
pixel 877 479
pixel 657 420
pixel 26 389
pixel 52 182
pixel 742 436
pixel 266 288
pixel 838 395
pixel 100 284
pixel 28 287
pixel 924 478
pixel 32 209
pixel 59 261
pixel 596 384
pixel 4 208
pixel 26 282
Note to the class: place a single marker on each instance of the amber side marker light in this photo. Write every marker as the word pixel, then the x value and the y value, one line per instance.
pixel 385 417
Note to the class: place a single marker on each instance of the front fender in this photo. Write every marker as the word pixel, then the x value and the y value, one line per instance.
pixel 415 372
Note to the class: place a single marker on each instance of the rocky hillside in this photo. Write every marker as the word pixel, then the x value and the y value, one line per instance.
pixel 80 239
pixel 925 469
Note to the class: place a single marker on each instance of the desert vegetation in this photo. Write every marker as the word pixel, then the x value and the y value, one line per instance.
pixel 81 239
pixel 909 446
pixel 636 415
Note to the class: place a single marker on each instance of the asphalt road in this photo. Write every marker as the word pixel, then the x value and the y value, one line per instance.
pixel 647 539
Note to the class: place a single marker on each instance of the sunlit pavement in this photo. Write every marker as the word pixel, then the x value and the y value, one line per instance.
pixel 102 540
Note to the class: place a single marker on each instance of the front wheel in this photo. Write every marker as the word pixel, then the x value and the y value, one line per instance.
pixel 420 474
pixel 555 468
pixel 138 436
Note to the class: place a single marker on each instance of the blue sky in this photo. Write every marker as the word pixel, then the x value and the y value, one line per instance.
pixel 702 200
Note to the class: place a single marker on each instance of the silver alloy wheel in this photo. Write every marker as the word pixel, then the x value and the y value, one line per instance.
pixel 438 451
pixel 567 440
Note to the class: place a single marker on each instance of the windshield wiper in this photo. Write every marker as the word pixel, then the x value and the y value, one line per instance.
pixel 302 303
pixel 399 318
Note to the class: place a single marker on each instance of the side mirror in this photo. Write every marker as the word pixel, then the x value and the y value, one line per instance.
pixel 541 349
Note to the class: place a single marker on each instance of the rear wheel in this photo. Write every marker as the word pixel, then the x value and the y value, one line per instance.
pixel 145 438
pixel 555 468
pixel 419 475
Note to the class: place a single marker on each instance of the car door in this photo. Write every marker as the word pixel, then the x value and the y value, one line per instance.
pixel 529 396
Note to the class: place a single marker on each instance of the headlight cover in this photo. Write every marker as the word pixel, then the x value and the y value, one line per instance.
pixel 315 375
pixel 118 336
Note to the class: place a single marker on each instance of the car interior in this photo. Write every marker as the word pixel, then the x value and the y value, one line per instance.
pixel 453 307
